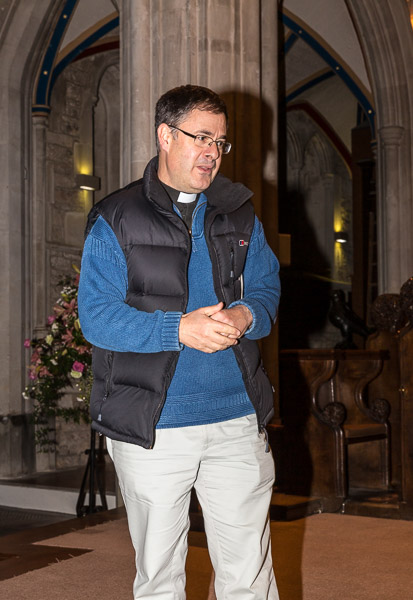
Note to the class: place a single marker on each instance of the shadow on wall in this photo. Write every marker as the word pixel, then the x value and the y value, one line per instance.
pixel 251 133
pixel 253 161
pixel 305 298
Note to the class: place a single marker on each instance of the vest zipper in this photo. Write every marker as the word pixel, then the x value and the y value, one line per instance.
pixel 231 253
pixel 107 385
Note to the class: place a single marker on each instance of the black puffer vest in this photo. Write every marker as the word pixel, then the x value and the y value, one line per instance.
pixel 129 388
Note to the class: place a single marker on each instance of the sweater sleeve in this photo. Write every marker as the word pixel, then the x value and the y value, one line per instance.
pixel 106 319
pixel 261 284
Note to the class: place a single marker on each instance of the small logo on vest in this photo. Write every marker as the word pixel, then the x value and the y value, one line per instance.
pixel 243 243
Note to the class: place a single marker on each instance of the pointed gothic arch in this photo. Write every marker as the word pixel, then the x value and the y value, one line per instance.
pixel 20 49
pixel 386 38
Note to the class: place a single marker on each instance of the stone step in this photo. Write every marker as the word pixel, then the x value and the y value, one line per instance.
pixel 60 500
pixel 53 491
pixel 14 520
pixel 288 507
pixel 373 503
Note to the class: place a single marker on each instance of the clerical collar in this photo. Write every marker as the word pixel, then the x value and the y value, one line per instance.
pixel 177 196
pixel 186 198
pixel 185 202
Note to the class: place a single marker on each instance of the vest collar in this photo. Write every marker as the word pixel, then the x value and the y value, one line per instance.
pixel 225 195
pixel 153 189
pixel 222 194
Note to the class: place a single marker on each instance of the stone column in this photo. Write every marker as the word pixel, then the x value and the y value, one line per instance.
pixel 38 226
pixel 268 208
pixel 392 213
pixel 18 46
pixel 137 145
pixel 386 38
pixel 37 255
pixel 228 46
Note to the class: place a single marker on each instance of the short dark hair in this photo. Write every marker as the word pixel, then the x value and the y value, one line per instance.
pixel 173 106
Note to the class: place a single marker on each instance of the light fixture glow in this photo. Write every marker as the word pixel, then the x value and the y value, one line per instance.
pixel 90 183
pixel 341 237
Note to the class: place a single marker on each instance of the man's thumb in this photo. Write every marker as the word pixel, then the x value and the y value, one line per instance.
pixel 212 310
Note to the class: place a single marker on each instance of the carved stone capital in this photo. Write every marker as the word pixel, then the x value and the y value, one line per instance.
pixel 40 121
pixel 391 135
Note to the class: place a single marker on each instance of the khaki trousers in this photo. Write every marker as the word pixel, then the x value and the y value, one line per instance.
pixel 233 475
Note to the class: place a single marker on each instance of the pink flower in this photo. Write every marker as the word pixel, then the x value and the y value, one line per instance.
pixel 82 349
pixel 44 372
pixel 32 375
pixel 35 356
pixel 58 310
pixel 78 366
pixel 27 343
pixel 70 307
pixel 67 337
pixel 50 319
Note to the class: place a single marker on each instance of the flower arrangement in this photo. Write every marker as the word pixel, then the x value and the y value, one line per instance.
pixel 59 360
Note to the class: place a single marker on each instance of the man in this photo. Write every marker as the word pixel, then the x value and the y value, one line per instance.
pixel 177 283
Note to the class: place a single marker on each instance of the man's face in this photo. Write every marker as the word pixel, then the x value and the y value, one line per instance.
pixel 183 165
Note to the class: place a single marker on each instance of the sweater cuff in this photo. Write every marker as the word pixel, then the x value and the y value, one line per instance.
pixel 170 331
pixel 252 311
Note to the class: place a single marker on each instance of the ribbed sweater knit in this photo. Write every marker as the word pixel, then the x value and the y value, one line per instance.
pixel 206 388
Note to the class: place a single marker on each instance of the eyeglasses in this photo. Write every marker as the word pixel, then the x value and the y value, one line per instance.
pixel 204 141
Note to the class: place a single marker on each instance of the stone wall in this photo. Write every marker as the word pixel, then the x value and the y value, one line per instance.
pixel 72 439
pixel 69 141
pixel 67 206
pixel 20 24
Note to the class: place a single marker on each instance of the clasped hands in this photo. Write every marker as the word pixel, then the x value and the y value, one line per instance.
pixel 213 328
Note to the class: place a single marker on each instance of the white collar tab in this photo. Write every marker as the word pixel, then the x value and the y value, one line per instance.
pixel 186 198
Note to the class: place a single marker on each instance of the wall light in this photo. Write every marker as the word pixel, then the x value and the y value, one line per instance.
pixel 88 182
pixel 341 237
pixel 410 5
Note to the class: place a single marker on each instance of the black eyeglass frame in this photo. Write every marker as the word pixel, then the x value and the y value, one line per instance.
pixel 224 149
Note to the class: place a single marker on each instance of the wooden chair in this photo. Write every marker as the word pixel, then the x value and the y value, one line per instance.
pixel 325 411
pixel 364 421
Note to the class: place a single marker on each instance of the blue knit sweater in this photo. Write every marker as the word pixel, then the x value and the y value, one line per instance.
pixel 206 388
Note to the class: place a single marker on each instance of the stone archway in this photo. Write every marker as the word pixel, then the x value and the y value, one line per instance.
pixel 387 41
pixel 21 38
